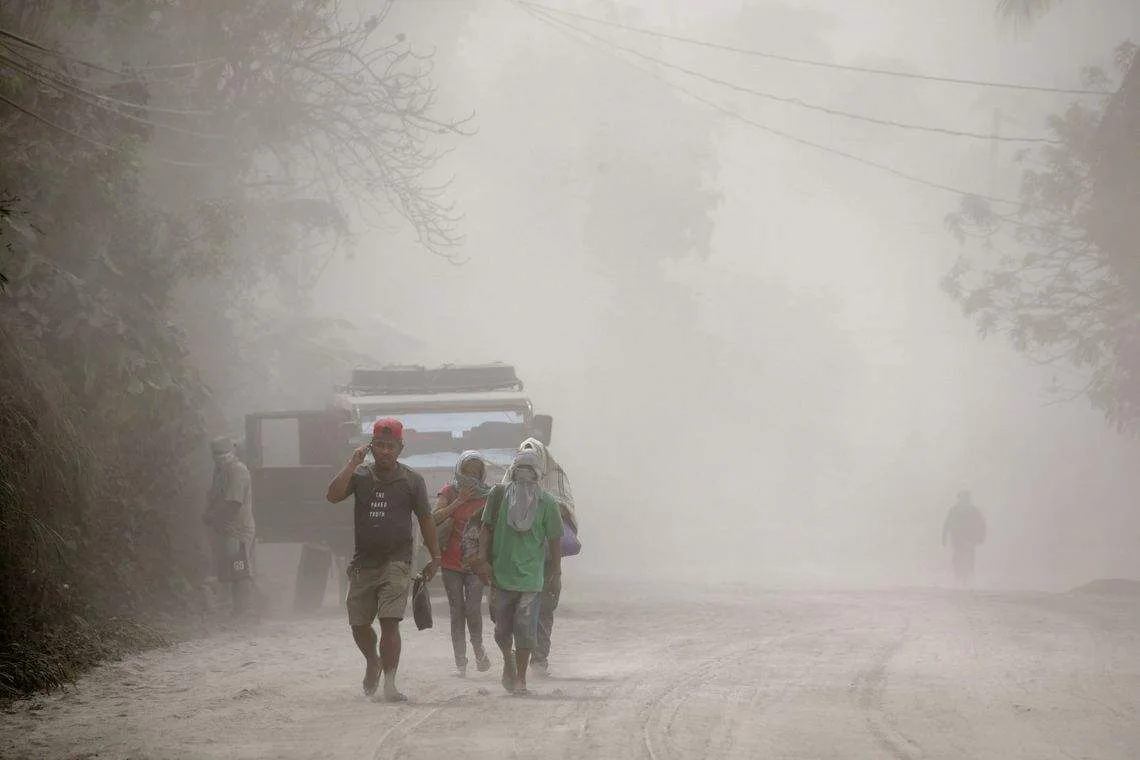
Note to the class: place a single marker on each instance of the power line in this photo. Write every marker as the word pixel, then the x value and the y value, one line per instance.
pixel 100 68
pixel 57 127
pixel 825 109
pixel 808 61
pixel 60 84
pixel 43 49
pixel 562 26
pixel 108 98
pixel 96 143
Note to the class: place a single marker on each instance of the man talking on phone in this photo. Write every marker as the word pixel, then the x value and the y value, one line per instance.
pixel 387 494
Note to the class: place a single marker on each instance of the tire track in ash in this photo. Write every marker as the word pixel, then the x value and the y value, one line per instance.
pixel 400 739
pixel 868 689
pixel 831 646
pixel 390 743
pixel 661 707
pixel 621 712
pixel 742 692
pixel 747 694
pixel 751 684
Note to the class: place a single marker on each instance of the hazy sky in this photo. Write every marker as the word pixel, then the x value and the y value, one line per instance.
pixel 840 399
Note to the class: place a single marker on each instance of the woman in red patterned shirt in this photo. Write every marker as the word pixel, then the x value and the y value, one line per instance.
pixel 458 502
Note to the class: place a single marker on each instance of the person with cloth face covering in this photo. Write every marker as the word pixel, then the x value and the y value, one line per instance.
pixel 387 495
pixel 229 515
pixel 459 502
pixel 517 535
pixel 554 481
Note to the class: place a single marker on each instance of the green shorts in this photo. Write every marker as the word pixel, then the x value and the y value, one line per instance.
pixel 378 592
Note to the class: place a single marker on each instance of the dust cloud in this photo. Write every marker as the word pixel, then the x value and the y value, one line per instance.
pixel 753 372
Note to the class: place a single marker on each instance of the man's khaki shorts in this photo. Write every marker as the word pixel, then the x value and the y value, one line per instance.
pixel 378 592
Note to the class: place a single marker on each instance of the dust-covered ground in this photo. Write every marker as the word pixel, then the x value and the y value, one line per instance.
pixel 636 673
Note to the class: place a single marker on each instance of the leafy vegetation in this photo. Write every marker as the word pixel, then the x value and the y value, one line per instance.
pixel 157 147
pixel 1065 289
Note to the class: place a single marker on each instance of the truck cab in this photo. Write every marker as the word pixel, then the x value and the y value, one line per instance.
pixel 292 455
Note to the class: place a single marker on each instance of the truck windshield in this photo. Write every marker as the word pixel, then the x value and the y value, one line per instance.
pixel 435 439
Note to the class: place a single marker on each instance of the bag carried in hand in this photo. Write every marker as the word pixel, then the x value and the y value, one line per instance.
pixel 421 603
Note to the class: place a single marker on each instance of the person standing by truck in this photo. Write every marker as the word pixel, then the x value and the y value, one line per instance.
pixel 229 516
pixel 387 494
pixel 459 502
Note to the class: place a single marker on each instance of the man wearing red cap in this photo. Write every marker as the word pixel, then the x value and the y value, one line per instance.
pixel 387 494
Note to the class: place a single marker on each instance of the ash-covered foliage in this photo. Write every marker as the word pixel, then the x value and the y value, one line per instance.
pixel 1064 287
pixel 153 149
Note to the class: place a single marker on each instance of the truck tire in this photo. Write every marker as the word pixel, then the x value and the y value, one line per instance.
pixel 312 578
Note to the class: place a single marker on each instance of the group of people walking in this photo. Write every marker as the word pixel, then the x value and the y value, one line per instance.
pixel 508 537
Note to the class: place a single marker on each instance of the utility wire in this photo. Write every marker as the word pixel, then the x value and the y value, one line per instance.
pixel 807 61
pixel 96 143
pixel 98 67
pixel 825 109
pixel 563 27
pixel 53 125
pixel 60 84
pixel 108 98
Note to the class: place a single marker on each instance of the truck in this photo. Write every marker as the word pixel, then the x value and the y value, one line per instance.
pixel 292 455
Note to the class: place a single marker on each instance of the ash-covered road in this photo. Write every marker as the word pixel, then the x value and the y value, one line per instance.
pixel 903 675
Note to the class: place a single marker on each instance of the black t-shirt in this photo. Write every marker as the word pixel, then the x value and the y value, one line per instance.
pixel 384 507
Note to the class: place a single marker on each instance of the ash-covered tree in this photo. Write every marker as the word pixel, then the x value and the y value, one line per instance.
pixel 154 144
pixel 1060 278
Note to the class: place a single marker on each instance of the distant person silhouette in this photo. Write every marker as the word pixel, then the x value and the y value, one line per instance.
pixel 965 529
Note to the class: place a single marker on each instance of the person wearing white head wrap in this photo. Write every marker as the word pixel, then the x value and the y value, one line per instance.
pixel 554 481
pixel 521 523
pixel 552 478
pixel 523 491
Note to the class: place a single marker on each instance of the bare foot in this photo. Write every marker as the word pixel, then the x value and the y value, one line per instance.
pixel 371 677
pixel 509 677
pixel 392 694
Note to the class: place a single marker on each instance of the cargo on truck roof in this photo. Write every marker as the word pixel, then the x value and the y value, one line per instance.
pixel 416 380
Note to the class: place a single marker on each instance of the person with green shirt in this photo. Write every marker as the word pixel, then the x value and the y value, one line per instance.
pixel 520 522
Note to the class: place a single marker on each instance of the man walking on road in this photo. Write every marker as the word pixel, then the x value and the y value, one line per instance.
pixel 229 515
pixel 387 494
pixel 966 530
pixel 519 523
pixel 554 481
